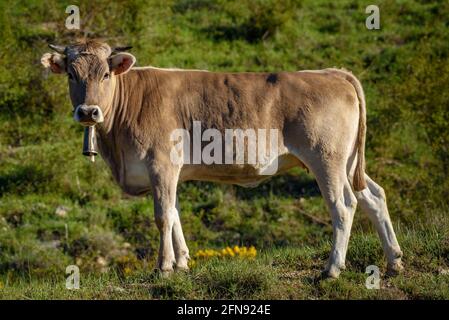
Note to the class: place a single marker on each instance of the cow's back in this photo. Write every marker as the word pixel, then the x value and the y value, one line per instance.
pixel 249 100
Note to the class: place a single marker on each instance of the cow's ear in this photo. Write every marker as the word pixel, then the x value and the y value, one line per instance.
pixel 121 62
pixel 54 61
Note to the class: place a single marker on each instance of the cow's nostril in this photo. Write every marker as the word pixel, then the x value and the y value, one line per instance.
pixel 95 112
pixel 82 112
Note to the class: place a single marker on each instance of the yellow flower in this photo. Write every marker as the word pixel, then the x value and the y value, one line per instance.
pixel 230 252
pixel 252 252
pixel 200 254
pixel 127 271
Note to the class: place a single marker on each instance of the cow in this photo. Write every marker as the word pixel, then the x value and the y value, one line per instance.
pixel 320 117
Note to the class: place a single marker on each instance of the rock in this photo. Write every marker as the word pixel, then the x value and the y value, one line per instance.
pixel 53 244
pixel 116 289
pixel 61 211
pixel 101 261
pixel 444 271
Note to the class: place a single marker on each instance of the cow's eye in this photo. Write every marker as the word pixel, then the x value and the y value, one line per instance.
pixel 106 76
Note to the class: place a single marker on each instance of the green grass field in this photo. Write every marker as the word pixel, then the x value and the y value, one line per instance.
pixel 57 209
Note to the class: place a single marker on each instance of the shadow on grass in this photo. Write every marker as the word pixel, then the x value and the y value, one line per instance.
pixel 291 185
pixel 23 179
pixel 246 31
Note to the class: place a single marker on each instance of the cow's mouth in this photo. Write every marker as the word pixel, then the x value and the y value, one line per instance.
pixel 88 115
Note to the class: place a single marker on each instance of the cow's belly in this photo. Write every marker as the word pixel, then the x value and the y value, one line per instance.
pixel 135 177
pixel 242 175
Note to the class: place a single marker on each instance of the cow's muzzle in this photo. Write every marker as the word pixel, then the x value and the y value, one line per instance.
pixel 88 115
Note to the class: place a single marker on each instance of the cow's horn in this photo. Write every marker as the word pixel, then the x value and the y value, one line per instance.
pixel 58 49
pixel 121 49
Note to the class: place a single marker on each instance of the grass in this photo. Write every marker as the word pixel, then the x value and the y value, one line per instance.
pixel 58 209
pixel 278 273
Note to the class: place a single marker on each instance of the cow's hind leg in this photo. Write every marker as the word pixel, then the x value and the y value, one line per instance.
pixel 341 202
pixel 373 201
pixel 179 243
pixel 342 205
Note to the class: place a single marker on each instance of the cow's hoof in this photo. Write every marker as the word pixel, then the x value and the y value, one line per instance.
pixel 395 268
pixel 331 273
pixel 164 273
pixel 182 268
pixel 182 263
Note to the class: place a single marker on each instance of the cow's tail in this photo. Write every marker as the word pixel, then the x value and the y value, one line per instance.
pixel 359 182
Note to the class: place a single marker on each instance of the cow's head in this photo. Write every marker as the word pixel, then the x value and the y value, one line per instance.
pixel 91 68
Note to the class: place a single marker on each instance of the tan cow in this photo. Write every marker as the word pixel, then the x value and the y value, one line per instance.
pixel 319 115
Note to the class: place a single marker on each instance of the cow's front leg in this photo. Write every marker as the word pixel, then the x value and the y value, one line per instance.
pixel 164 180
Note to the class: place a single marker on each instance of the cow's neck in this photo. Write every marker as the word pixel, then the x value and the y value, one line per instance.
pixel 118 131
pixel 117 107
pixel 132 92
